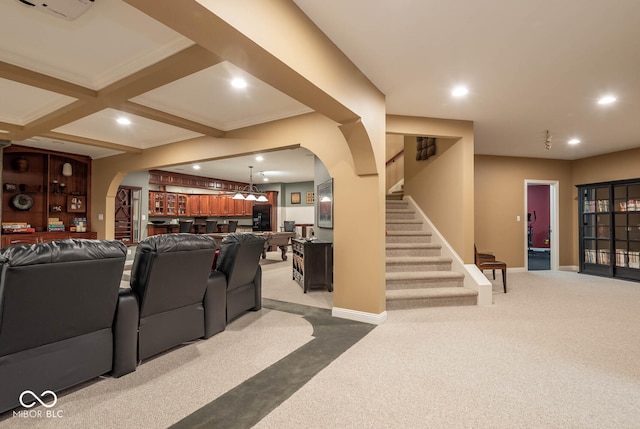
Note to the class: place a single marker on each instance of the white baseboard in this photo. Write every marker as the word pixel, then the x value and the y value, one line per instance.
pixel 359 316
pixel 561 268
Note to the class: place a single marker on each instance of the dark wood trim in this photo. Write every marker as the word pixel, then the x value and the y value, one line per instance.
pixel 160 177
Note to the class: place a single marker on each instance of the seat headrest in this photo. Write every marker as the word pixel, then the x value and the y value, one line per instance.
pixel 242 238
pixel 176 243
pixel 62 251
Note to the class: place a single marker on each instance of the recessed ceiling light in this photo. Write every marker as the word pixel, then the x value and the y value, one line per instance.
pixel 607 99
pixel 460 91
pixel 123 121
pixel 265 179
pixel 196 167
pixel 259 158
pixel 574 141
pixel 238 82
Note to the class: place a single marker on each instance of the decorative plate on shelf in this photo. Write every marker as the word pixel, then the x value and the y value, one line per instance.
pixel 22 202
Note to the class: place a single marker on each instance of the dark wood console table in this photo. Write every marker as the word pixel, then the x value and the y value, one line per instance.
pixel 313 263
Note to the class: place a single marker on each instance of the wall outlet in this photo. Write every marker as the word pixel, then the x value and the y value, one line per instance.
pixel 144 217
pixel 518 218
pixel 100 216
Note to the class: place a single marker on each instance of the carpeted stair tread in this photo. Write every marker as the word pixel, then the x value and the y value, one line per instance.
pixel 413 246
pixel 417 260
pixel 400 210
pixel 403 233
pixel 430 293
pixel 424 275
pixel 404 221
pixel 396 204
pixel 393 197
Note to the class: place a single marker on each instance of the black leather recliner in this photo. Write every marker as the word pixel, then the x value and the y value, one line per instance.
pixel 238 276
pixel 58 314
pixel 169 282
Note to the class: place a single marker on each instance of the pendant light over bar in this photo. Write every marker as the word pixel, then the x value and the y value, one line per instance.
pixel 252 192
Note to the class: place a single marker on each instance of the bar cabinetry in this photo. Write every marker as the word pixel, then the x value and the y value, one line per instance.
pixel 313 264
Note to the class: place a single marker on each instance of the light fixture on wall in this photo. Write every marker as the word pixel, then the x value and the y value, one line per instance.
pixel 67 170
pixel 252 192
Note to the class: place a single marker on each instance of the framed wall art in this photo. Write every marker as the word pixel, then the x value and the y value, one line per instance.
pixel 325 204
pixel 295 198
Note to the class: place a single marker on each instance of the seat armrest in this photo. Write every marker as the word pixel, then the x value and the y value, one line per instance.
pixel 257 281
pixel 125 334
pixel 215 304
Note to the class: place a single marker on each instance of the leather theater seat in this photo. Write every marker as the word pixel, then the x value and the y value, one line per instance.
pixel 169 283
pixel 58 314
pixel 237 279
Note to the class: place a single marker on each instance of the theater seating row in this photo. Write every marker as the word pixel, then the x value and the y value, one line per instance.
pixel 64 318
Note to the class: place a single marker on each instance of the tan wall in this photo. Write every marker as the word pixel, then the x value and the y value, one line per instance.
pixel 394 144
pixel 354 288
pixel 443 185
pixel 603 168
pixel 500 197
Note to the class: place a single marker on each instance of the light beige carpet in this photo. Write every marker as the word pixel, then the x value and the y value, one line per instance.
pixel 560 350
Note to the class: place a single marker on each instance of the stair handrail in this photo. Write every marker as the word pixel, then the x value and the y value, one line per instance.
pixel 394 157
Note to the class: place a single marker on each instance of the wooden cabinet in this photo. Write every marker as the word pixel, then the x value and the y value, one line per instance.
pixel 163 203
pixel 198 205
pixel 238 207
pixel 313 264
pixel 183 205
pixel 171 201
pixel 204 205
pixel 157 203
pixel 609 229
pixel 214 205
pixel 226 205
pixel 159 177
pixel 248 208
pixel 41 186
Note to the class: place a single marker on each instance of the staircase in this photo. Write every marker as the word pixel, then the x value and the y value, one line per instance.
pixel 417 275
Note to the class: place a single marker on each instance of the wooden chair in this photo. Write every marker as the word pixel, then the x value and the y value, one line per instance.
pixel 487 261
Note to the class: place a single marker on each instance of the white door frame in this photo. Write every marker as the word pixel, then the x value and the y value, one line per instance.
pixel 553 221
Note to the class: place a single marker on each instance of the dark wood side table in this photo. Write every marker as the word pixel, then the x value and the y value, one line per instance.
pixel 313 264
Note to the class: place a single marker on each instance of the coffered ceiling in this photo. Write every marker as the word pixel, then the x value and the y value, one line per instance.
pixel 529 67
